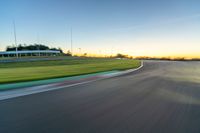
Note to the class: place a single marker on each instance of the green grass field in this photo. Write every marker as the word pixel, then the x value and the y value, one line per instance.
pixel 29 71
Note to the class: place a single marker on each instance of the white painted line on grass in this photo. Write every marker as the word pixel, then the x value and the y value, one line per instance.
pixel 44 88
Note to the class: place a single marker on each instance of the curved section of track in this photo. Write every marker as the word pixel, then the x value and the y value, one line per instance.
pixel 162 97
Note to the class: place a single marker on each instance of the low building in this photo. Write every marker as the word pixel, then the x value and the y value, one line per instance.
pixel 30 53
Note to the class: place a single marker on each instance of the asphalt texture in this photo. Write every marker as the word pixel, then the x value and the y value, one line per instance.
pixel 162 97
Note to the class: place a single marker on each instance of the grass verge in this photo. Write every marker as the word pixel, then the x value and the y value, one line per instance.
pixel 30 71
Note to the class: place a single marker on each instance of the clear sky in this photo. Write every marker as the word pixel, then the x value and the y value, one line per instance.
pixel 135 27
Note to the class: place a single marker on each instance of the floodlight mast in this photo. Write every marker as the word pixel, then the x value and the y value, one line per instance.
pixel 15 36
pixel 71 43
pixel 38 42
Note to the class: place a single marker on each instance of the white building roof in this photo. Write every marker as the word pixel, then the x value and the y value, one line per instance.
pixel 30 52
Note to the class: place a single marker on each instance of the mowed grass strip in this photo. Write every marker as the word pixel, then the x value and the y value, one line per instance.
pixel 20 74
pixel 56 62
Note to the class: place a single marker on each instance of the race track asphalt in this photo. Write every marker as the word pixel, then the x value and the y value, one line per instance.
pixel 162 97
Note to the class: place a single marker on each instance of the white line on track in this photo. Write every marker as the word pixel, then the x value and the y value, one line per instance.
pixel 44 88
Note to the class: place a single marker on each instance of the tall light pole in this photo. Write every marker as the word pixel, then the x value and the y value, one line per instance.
pixel 66 42
pixel 71 43
pixel 38 42
pixel 80 51
pixel 15 36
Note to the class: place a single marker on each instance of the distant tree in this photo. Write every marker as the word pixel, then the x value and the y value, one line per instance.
pixel 10 48
pixel 85 54
pixel 143 58
pixel 23 47
pixel 195 59
pixel 180 59
pixel 121 56
pixel 59 49
pixel 68 53
pixel 165 58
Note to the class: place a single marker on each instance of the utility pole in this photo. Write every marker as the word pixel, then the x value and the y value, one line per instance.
pixel 15 36
pixel 66 42
pixel 80 51
pixel 38 42
pixel 71 43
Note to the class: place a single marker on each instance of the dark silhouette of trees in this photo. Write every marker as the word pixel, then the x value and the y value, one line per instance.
pixel 23 47
pixel 68 53
pixel 121 56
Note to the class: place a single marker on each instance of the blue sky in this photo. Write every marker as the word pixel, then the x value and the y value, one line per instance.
pixel 135 27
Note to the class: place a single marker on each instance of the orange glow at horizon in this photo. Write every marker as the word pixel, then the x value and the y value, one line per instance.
pixel 164 55
pixel 150 49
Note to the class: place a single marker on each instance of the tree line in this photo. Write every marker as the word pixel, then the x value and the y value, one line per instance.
pixel 23 47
